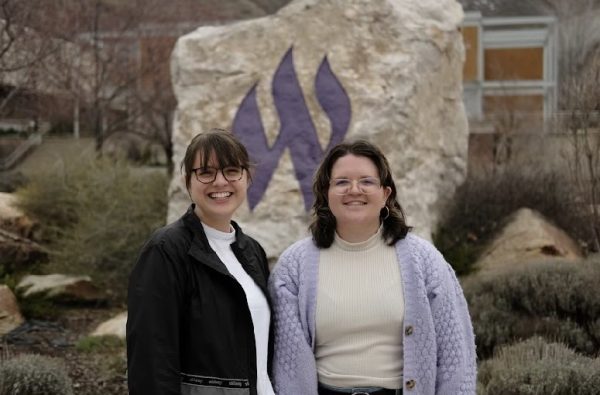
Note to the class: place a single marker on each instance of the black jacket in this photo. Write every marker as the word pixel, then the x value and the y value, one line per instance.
pixel 189 328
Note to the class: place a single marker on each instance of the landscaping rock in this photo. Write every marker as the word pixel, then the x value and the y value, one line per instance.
pixel 115 327
pixel 61 288
pixel 18 253
pixel 10 314
pixel 528 237
pixel 14 220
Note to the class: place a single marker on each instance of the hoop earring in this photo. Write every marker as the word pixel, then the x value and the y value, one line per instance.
pixel 387 214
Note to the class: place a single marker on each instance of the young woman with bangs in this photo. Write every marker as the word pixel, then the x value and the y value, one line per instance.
pixel 198 310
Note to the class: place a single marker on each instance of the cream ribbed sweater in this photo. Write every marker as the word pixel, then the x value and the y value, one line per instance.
pixel 359 315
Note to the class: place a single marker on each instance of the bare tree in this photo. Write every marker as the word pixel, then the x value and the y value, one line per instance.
pixel 579 102
pixel 153 100
pixel 582 122
pixel 120 77
pixel 578 36
pixel 24 50
pixel 107 36
pixel 109 61
pixel 20 45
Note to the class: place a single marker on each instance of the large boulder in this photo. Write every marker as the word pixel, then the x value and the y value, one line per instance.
pixel 317 72
pixel 61 288
pixel 18 252
pixel 10 314
pixel 528 237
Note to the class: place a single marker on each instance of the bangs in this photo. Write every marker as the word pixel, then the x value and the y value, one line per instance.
pixel 224 152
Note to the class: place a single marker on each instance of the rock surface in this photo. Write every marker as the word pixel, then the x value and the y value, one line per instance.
pixel 293 84
pixel 10 314
pixel 14 220
pixel 528 237
pixel 61 287
pixel 7 206
pixel 18 253
pixel 114 326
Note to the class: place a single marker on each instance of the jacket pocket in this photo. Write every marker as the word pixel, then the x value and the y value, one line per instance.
pixel 204 385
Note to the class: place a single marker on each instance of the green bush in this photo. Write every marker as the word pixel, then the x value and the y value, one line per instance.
pixel 481 205
pixel 536 367
pixel 557 300
pixel 51 197
pixel 28 374
pixel 37 307
pixel 95 215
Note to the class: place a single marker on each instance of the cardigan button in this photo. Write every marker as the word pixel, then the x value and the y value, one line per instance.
pixel 410 384
pixel 408 330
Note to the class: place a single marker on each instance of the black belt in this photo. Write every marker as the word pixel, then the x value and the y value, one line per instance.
pixel 384 391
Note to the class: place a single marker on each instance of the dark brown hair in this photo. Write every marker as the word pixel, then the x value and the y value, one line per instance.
pixel 324 223
pixel 227 149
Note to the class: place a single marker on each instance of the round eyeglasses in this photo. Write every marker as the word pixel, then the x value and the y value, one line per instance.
pixel 207 175
pixel 366 185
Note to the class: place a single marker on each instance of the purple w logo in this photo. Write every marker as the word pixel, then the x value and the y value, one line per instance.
pixel 297 130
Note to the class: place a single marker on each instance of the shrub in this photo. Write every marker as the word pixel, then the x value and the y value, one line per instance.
pixel 481 205
pixel 536 367
pixel 96 214
pixel 33 307
pixel 34 375
pixel 37 307
pixel 51 198
pixel 555 300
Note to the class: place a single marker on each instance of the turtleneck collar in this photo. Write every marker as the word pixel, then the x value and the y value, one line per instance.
pixel 215 234
pixel 361 245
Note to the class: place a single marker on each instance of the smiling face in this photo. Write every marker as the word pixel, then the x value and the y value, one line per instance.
pixel 356 211
pixel 216 202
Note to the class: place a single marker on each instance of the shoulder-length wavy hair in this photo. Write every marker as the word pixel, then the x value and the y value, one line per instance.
pixel 324 224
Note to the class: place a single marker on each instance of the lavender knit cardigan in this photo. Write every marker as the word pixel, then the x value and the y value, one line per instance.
pixel 439 346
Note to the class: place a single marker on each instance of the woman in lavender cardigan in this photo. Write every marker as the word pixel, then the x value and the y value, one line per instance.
pixel 364 307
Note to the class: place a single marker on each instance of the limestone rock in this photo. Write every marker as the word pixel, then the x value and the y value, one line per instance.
pixel 7 206
pixel 61 288
pixel 317 72
pixel 18 253
pixel 14 220
pixel 17 250
pixel 115 326
pixel 528 237
pixel 10 314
